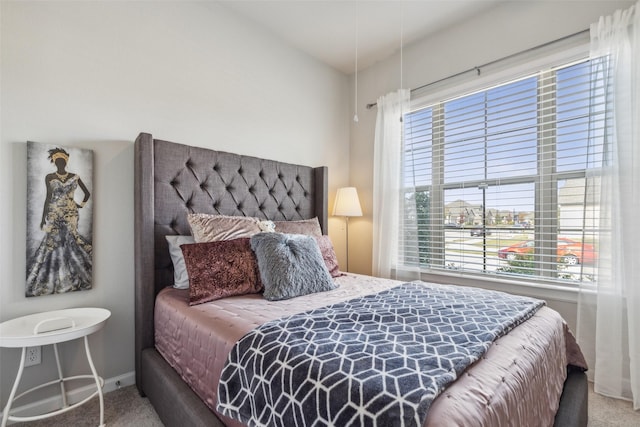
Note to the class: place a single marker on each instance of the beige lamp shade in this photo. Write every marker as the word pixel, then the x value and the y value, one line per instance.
pixel 347 202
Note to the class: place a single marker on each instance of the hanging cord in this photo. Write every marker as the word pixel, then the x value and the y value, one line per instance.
pixel 401 55
pixel 401 40
pixel 355 116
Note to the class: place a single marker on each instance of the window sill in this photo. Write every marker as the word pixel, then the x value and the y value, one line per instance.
pixel 536 290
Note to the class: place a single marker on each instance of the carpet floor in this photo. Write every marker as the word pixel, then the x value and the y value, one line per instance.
pixel 125 408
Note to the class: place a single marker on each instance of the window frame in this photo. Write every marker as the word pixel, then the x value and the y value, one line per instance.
pixel 545 190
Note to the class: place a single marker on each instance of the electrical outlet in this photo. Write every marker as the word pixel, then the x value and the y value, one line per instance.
pixel 33 356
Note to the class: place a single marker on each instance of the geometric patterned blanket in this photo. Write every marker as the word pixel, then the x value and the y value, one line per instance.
pixel 376 360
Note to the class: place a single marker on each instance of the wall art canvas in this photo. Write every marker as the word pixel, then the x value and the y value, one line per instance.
pixel 59 219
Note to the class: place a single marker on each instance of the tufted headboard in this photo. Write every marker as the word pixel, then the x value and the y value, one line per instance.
pixel 172 180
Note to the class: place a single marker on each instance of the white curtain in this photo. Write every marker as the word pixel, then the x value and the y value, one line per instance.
pixel 609 311
pixel 387 159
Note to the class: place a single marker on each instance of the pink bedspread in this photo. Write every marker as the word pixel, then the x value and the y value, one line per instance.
pixel 518 382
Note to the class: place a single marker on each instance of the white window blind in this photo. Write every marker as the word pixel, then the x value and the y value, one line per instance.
pixel 504 181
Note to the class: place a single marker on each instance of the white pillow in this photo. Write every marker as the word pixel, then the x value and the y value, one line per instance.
pixel 180 276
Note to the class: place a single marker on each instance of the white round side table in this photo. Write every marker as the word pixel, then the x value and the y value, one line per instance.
pixel 53 327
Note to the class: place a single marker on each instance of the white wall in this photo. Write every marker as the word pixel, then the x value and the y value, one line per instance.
pixel 94 75
pixel 507 29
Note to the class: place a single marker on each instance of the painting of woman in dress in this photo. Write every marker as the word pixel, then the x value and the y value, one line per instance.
pixel 61 260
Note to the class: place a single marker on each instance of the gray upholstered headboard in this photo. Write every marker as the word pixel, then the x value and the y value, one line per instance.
pixel 172 180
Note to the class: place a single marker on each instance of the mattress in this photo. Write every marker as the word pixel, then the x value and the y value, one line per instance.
pixel 518 382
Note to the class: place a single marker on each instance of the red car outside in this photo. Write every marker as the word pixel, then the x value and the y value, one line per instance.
pixel 569 251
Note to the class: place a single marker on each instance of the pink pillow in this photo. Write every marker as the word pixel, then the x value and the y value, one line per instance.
pixel 310 227
pixel 210 228
pixel 221 269
pixel 329 256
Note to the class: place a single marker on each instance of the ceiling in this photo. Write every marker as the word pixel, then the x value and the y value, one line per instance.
pixel 326 29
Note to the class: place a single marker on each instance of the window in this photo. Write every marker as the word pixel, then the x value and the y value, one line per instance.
pixel 504 181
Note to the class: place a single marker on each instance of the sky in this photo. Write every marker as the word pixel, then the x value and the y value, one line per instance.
pixel 492 135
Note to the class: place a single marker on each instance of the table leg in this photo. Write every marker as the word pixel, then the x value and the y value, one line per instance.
pixel 97 378
pixel 62 388
pixel 5 414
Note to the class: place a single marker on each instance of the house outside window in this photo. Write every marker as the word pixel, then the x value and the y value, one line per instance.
pixel 505 181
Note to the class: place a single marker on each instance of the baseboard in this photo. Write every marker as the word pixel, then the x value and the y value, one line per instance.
pixel 73 395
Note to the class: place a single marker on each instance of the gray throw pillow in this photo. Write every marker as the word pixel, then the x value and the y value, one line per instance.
pixel 290 265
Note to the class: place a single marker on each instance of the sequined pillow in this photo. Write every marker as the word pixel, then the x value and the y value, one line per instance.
pixel 329 256
pixel 211 228
pixel 310 227
pixel 221 269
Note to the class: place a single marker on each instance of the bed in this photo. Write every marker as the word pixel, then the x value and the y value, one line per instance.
pixel 173 180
